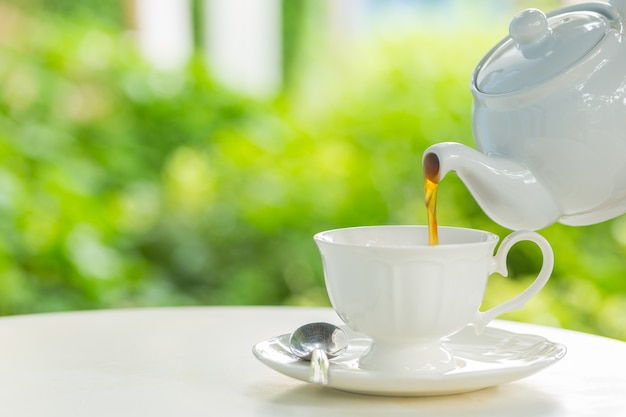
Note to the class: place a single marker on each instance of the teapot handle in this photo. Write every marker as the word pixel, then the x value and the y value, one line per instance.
pixel 499 265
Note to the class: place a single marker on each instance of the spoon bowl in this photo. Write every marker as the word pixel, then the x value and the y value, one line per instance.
pixel 317 342
pixel 326 337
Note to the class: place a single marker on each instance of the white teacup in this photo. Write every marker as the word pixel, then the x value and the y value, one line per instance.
pixel 389 284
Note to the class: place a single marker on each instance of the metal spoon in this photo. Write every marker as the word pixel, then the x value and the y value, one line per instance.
pixel 317 342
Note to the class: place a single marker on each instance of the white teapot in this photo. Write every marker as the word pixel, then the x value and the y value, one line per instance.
pixel 549 120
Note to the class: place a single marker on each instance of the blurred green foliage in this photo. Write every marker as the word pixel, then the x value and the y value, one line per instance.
pixel 121 186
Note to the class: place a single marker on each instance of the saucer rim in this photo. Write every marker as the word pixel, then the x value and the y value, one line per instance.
pixel 353 379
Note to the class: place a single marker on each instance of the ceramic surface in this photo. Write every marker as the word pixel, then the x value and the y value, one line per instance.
pixel 495 357
pixel 549 120
pixel 388 283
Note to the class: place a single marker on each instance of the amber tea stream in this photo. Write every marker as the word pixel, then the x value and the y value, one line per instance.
pixel 431 182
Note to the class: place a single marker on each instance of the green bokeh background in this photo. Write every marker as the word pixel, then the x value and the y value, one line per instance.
pixel 122 186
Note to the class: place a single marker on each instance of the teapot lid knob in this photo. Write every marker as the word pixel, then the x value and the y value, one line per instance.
pixel 530 30
pixel 620 6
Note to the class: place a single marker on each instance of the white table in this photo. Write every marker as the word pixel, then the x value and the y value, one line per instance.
pixel 188 362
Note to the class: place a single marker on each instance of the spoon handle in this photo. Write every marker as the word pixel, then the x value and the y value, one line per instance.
pixel 319 367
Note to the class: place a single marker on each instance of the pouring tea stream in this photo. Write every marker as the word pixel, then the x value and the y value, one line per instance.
pixel 549 121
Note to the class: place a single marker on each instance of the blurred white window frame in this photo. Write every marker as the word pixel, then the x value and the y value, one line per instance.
pixel 243 44
pixel 164 32
pixel 242 40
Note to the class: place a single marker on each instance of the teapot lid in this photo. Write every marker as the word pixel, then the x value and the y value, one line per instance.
pixel 539 48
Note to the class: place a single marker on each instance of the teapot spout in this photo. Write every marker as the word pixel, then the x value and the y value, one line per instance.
pixel 506 190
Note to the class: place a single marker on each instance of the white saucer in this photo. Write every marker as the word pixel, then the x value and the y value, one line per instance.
pixel 494 357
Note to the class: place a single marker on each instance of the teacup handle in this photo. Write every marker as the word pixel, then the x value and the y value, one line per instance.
pixel 499 265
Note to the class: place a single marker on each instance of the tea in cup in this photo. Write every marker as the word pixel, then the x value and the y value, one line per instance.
pixel 388 283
